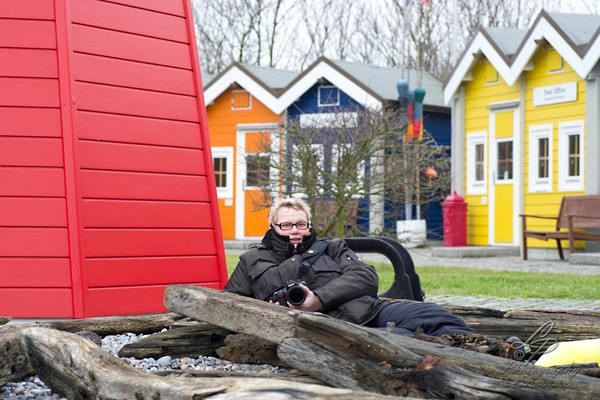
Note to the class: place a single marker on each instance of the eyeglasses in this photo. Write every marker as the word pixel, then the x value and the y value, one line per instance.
pixel 286 226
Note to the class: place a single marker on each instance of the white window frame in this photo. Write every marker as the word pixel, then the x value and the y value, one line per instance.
pixel 227 153
pixel 337 102
pixel 537 183
pixel 249 100
pixel 568 183
pixel 474 139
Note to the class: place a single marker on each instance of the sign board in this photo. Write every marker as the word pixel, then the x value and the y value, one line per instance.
pixel 561 93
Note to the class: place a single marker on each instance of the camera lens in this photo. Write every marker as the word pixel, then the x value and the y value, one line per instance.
pixel 296 295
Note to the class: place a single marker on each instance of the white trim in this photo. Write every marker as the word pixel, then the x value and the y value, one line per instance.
pixel 240 176
pixel 570 183
pixel 227 153
pixel 474 139
pixel 319 120
pixel 536 183
pixel 542 30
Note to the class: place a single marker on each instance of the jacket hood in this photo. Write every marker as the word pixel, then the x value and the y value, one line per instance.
pixel 282 246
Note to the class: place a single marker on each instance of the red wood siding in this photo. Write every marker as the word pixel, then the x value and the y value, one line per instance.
pixel 107 191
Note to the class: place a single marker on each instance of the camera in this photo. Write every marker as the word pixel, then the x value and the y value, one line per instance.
pixel 291 293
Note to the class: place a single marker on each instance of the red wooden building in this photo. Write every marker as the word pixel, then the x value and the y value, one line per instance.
pixel 107 189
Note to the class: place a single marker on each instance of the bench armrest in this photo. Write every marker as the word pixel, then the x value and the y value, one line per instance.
pixel 537 216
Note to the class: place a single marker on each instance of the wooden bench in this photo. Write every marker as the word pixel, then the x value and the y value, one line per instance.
pixel 576 212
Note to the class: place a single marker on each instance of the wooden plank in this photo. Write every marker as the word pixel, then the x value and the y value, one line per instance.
pixel 30 122
pixel 31 152
pixel 33 212
pixel 28 63
pixel 34 242
pixel 105 272
pixel 21 33
pixel 128 300
pixel 231 311
pixel 29 92
pixel 110 71
pixel 130 47
pixel 118 18
pixel 18 181
pixel 36 302
pixel 122 128
pixel 35 272
pixel 143 214
pixel 86 371
pixel 91 97
pixel 30 9
pixel 167 7
pixel 142 186
pixel 145 242
pixel 141 158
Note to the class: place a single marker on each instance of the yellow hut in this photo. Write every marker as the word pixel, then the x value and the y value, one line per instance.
pixel 525 124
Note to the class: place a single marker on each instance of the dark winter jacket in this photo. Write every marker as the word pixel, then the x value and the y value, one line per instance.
pixel 346 286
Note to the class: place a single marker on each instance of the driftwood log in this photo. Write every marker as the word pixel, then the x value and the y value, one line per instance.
pixel 4 320
pixel 185 341
pixel 560 325
pixel 238 314
pixel 77 369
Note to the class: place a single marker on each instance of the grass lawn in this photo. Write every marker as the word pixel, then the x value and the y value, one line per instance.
pixel 480 282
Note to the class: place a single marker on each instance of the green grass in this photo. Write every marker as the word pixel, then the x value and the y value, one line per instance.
pixel 479 282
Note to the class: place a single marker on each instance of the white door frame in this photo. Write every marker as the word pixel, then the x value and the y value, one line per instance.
pixel 504 106
pixel 240 176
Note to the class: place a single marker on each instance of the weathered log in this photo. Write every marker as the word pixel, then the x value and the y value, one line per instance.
pixel 242 348
pixel 14 363
pixel 188 341
pixel 567 325
pixel 431 377
pixel 396 349
pixel 4 320
pixel 76 368
pixel 237 313
pixel 292 375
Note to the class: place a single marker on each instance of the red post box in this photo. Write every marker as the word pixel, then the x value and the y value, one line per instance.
pixel 455 221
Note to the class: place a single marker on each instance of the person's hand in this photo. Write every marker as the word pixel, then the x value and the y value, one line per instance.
pixel 311 303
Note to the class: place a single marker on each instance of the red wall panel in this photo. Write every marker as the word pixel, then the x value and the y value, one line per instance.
pixel 130 47
pixel 122 128
pixel 118 18
pixel 107 191
pixel 142 158
pixel 25 303
pixel 150 271
pixel 35 272
pixel 146 214
pixel 30 122
pixel 27 34
pixel 28 62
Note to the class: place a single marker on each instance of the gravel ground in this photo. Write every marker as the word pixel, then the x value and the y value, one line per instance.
pixel 34 388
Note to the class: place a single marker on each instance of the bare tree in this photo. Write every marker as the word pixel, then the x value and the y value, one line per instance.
pixel 329 159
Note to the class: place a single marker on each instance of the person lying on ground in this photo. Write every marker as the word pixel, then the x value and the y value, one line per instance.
pixel 335 282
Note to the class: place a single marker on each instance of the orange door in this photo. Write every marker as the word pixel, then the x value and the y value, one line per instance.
pixel 253 213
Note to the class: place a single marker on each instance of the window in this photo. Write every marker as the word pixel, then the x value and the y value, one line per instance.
pixel 307 158
pixel 328 96
pixel 570 156
pixel 491 75
pixel 505 160
pixel 476 163
pixel 540 158
pixel 223 166
pixel 241 100
pixel 555 62
pixel 342 158
pixel 257 170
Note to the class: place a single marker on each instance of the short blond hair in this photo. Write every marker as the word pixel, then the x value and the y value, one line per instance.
pixel 291 202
